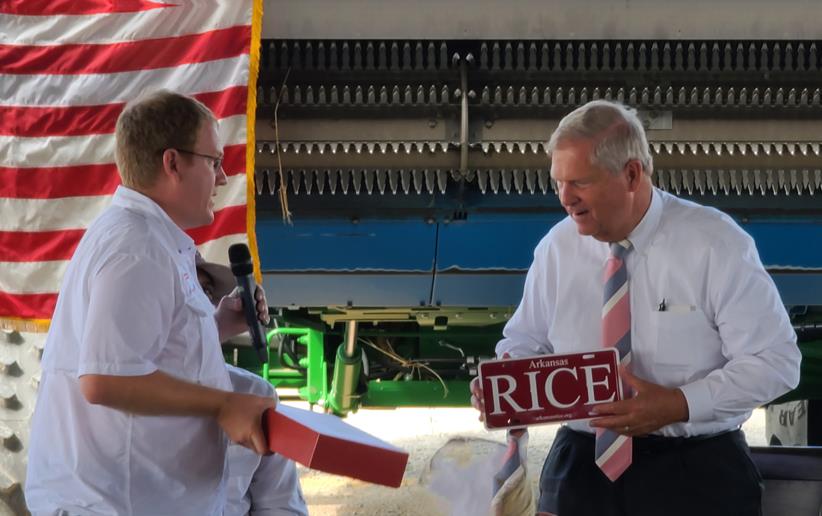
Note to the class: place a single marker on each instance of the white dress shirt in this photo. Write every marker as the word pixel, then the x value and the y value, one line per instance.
pixel 129 305
pixel 260 486
pixel 724 339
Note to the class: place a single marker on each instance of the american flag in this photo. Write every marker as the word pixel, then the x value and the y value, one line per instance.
pixel 67 69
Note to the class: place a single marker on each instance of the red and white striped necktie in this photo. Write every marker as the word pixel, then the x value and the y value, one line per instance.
pixel 614 451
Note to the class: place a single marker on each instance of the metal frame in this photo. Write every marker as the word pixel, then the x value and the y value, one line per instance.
pixel 539 19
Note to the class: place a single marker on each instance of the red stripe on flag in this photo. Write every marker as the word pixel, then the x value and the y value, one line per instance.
pixel 39 246
pixel 125 57
pixel 27 306
pixel 224 103
pixel 234 159
pixel 57 7
pixel 85 180
pixel 85 120
pixel 58 182
pixel 228 221
pixel 36 122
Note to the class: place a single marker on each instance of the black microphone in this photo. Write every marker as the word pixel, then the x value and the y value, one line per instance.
pixel 243 270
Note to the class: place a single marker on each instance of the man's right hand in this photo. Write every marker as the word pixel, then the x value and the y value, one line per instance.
pixel 160 394
pixel 477 398
pixel 241 417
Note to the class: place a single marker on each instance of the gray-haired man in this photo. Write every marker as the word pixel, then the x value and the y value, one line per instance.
pixel 698 322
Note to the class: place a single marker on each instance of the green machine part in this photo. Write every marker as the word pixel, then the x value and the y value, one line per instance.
pixel 313 383
pixel 417 393
pixel 343 398
pixel 342 392
pixel 347 365
pixel 302 364
pixel 298 359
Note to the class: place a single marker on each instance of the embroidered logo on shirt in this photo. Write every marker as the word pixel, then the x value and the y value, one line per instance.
pixel 188 284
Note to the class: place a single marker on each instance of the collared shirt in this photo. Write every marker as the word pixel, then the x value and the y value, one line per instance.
pixel 724 337
pixel 260 486
pixel 129 305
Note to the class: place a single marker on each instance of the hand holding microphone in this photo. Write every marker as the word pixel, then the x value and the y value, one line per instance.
pixel 254 306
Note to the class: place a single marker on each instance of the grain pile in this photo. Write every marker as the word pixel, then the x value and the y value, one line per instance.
pixel 422 433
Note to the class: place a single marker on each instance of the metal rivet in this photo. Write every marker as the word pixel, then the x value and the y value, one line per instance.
pixel 10 440
pixel 13 337
pixel 11 367
pixel 9 398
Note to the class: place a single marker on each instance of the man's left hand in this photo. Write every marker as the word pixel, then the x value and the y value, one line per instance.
pixel 229 315
pixel 652 407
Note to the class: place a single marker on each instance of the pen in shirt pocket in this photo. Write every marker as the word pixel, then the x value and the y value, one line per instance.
pixel 665 306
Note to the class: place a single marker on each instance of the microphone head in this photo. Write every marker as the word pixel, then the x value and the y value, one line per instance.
pixel 240 259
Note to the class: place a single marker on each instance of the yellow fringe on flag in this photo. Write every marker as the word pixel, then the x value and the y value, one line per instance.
pixel 9 323
pixel 251 139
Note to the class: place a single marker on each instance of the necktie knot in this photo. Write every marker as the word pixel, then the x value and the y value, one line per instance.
pixel 621 248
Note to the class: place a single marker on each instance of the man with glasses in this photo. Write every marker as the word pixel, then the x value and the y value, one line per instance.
pixel 679 290
pixel 135 402
pixel 216 163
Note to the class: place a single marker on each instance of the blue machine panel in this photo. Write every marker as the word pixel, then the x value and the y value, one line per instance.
pixel 479 262
pixel 335 245
pixel 482 261
pixel 379 263
pixel 800 289
pixel 507 242
pixel 492 242
pixel 795 244
pixel 335 289
pixel 478 290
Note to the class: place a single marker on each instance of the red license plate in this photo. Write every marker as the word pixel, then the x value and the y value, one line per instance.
pixel 549 388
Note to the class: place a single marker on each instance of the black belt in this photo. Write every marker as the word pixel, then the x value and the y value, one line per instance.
pixel 660 443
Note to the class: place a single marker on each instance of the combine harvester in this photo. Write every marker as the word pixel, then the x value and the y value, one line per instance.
pixel 406 142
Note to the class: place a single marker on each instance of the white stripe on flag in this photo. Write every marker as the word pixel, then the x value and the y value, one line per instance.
pixel 87 150
pixel 50 214
pixel 217 250
pixel 112 88
pixel 117 27
pixel 45 277
pixel 233 129
pixel 46 90
pixel 32 277
pixel 232 193
pixel 79 212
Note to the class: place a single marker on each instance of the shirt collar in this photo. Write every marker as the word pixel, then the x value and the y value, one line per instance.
pixel 641 236
pixel 135 201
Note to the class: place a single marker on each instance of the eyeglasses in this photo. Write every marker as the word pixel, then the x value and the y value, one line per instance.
pixel 216 163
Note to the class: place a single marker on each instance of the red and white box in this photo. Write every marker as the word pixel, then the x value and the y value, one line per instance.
pixel 325 443
pixel 548 388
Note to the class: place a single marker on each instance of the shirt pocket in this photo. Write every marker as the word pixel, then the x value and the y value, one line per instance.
pixel 202 330
pixel 684 338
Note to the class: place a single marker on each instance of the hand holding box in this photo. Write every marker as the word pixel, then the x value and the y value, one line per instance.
pixel 326 443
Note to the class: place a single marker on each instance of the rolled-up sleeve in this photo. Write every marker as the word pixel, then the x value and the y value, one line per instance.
pixel 131 302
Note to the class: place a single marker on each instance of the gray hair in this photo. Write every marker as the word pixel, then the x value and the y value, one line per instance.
pixel 614 128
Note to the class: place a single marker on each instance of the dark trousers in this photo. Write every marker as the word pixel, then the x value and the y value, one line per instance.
pixel 703 476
